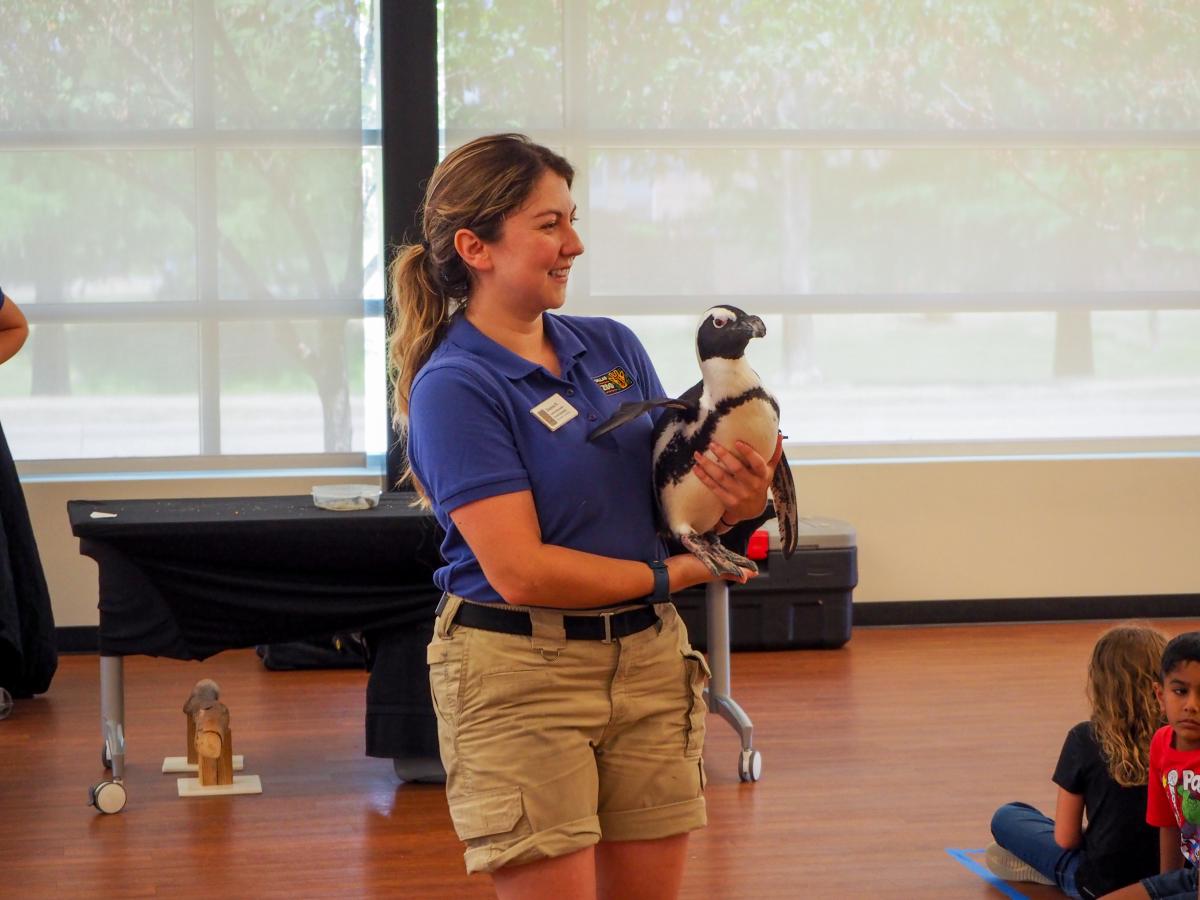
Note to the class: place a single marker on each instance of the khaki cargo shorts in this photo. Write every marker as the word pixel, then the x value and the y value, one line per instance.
pixel 551 745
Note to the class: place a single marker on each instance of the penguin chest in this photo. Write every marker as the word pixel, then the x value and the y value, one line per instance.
pixel 756 422
pixel 688 506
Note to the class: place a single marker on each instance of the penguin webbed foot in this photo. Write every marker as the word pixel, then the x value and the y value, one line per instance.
pixel 718 558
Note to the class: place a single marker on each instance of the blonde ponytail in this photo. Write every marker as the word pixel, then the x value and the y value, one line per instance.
pixel 475 187
pixel 420 311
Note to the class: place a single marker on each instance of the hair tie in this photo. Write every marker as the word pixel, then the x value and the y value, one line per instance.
pixel 424 244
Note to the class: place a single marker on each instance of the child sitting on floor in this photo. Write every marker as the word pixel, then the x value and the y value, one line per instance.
pixel 1173 798
pixel 1102 770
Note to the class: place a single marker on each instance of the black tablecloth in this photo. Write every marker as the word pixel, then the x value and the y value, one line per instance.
pixel 188 578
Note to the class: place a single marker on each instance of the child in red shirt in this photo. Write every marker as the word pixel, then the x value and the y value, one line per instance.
pixel 1173 801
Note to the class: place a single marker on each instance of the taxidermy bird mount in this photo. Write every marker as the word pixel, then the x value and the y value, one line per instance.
pixel 727 405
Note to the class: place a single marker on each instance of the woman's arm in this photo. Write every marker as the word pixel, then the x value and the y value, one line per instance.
pixel 504 535
pixel 13 329
pixel 1068 820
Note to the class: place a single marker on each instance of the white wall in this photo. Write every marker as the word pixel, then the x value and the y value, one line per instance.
pixel 926 531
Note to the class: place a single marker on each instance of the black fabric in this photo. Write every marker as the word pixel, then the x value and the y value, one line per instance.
pixel 578 628
pixel 335 651
pixel 400 719
pixel 188 578
pixel 1120 847
pixel 28 659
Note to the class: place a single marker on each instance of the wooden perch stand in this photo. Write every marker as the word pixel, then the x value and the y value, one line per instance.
pixel 209 748
pixel 209 741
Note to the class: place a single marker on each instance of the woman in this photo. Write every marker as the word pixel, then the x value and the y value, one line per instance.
pixel 570 704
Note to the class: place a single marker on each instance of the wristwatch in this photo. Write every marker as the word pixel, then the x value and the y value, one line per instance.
pixel 662 581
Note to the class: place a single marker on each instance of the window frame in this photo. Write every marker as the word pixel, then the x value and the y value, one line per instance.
pixel 205 141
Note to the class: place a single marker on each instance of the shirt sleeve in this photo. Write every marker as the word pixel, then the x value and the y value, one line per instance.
pixel 1159 811
pixel 1069 773
pixel 460 439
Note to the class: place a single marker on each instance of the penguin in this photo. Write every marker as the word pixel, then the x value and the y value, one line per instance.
pixel 728 404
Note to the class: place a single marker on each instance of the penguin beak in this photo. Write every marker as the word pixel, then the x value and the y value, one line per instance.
pixel 755 326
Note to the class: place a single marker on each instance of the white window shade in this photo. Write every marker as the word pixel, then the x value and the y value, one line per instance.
pixel 970 228
pixel 190 218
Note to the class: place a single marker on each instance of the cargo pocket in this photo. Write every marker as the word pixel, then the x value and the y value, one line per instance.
pixel 445 669
pixel 698 674
pixel 493 814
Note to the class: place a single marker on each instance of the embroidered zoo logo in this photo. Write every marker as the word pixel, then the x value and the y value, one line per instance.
pixel 614 380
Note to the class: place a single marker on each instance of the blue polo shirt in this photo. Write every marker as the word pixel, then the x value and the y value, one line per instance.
pixel 472 435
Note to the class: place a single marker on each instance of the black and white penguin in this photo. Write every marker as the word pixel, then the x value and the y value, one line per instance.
pixel 729 404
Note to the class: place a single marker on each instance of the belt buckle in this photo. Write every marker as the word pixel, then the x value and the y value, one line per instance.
pixel 608 636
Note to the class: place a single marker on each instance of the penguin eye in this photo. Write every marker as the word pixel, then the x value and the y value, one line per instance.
pixel 720 321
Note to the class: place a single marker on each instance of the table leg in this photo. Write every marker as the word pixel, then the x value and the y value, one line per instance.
pixel 112 713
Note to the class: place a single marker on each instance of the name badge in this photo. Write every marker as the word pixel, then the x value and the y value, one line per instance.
pixel 554 412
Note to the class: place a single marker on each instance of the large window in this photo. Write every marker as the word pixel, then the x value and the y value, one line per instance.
pixel 970 227
pixel 190 217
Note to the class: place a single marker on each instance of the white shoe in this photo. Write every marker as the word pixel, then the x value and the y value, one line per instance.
pixel 1011 867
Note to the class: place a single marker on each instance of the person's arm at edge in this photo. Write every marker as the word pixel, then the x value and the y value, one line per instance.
pixel 1068 820
pixel 1169 857
pixel 503 533
pixel 13 329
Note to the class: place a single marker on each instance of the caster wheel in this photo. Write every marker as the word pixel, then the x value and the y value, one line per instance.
pixel 109 797
pixel 750 765
pixel 105 759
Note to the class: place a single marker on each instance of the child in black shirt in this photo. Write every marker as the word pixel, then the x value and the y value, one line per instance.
pixel 1101 771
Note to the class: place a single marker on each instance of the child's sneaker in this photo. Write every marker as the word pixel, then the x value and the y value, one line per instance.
pixel 1011 867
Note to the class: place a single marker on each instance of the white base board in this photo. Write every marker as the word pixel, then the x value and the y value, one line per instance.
pixel 242 784
pixel 174 765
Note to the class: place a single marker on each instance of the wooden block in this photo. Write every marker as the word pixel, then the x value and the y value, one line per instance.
pixel 242 784
pixel 192 758
pixel 177 765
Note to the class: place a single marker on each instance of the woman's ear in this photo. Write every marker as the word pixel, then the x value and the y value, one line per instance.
pixel 472 249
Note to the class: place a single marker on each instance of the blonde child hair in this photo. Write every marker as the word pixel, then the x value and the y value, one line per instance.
pixel 1125 711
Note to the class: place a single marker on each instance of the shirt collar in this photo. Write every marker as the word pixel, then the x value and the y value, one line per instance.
pixel 566 344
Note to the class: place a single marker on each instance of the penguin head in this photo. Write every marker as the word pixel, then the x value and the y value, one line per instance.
pixel 725 331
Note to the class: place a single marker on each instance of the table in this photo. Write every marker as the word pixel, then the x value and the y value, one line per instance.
pixel 188 578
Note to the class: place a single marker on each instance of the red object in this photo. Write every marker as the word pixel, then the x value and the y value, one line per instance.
pixel 758 546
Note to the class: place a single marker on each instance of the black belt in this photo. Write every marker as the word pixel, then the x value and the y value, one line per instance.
pixel 605 627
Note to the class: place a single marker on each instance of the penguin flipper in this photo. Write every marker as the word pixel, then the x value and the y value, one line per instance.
pixel 718 558
pixel 783 494
pixel 627 412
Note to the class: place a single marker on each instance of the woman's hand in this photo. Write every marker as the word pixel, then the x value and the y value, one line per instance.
pixel 739 480
pixel 687 571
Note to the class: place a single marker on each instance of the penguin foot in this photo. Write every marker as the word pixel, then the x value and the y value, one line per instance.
pixel 719 559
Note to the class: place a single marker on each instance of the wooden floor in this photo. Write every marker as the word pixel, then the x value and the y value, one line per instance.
pixel 879 760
